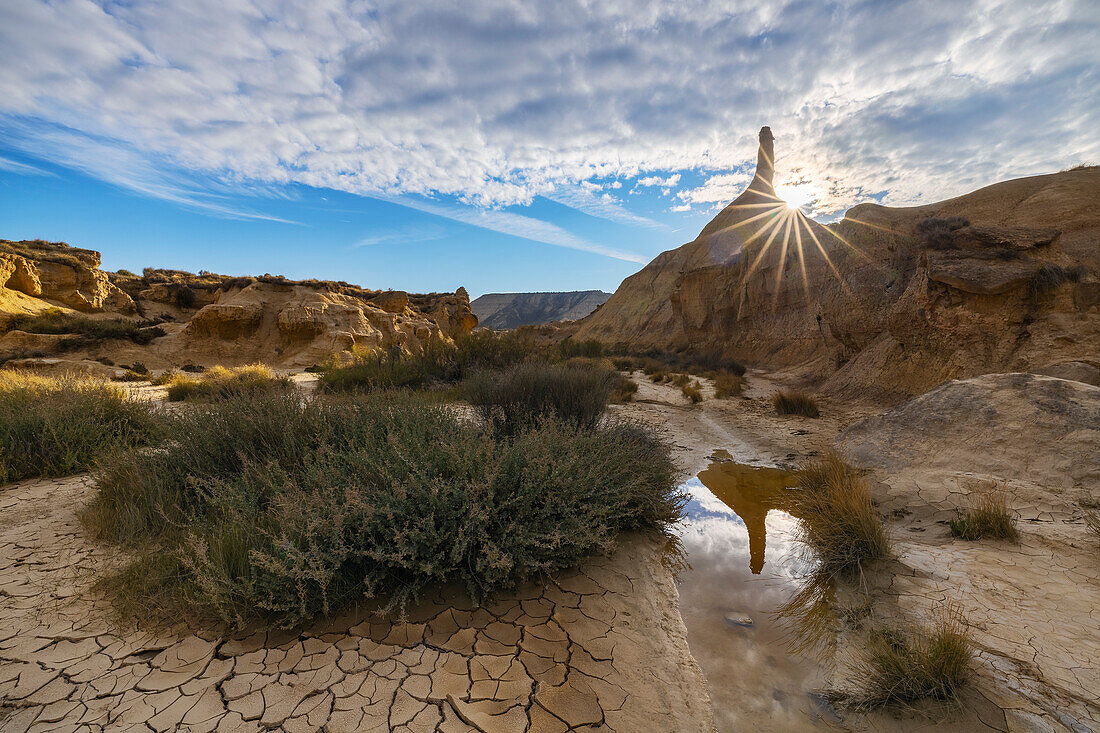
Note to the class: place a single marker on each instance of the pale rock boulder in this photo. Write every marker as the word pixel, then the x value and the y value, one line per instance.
pixel 19 274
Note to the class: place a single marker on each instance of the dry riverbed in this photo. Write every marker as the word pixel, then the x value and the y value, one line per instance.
pixel 631 642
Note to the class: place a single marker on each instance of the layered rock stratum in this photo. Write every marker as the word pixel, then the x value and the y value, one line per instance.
pixel 212 319
pixel 887 300
pixel 512 310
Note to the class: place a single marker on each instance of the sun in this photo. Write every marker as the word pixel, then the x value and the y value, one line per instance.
pixel 797 195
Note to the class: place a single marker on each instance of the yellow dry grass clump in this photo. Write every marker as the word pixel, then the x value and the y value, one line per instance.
pixel 219 383
pixel 988 517
pixel 905 664
pixel 59 426
pixel 839 521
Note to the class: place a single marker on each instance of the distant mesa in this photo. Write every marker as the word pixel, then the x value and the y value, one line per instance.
pixel 512 310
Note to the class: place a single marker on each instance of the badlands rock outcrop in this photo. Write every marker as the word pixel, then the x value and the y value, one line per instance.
pixel 56 273
pixel 888 300
pixel 213 319
pixel 512 310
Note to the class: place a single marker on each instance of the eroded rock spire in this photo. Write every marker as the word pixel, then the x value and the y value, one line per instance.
pixel 765 163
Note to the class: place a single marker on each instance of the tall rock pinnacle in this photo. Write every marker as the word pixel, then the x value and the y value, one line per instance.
pixel 765 163
pixel 747 205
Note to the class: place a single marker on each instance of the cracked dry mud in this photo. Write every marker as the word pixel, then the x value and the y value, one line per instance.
pixel 601 648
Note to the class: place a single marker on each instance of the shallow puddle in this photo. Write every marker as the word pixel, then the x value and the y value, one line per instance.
pixel 744 564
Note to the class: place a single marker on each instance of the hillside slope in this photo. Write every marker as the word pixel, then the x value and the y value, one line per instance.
pixel 512 310
pixel 894 300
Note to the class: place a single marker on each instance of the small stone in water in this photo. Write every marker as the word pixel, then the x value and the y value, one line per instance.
pixel 738 619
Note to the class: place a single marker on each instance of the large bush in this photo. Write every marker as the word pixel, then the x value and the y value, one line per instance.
pixel 285 508
pixel 521 395
pixel 438 361
pixel 56 427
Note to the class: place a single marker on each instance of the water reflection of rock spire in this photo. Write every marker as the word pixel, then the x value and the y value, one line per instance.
pixel 751 492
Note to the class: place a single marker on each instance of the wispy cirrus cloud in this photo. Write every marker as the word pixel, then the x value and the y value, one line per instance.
pixel 23 169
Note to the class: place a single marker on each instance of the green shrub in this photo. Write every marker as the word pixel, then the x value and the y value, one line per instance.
pixel 518 397
pixel 283 508
pixel 795 402
pixel 57 427
pixel 907 665
pixel 439 361
pixel 222 383
pixel 837 518
pixel 988 517
pixel 382 370
pixel 56 321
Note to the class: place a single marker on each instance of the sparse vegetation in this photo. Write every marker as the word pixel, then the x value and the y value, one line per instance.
pixel 838 519
pixel 625 390
pixel 222 383
pixel 1092 521
pixel 438 363
pixel 940 233
pixel 692 391
pixel 57 427
pixel 907 665
pixel 280 508
pixel 988 517
pixel 85 330
pixel 522 395
pixel 795 402
pixel 1048 277
pixel 728 385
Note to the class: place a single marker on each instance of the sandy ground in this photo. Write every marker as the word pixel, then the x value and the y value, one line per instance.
pixel 602 648
pixel 1031 607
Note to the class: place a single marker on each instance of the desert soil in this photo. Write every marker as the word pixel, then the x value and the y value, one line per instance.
pixel 603 647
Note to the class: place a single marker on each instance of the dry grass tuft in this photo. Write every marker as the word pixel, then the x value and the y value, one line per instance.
pixel 58 427
pixel 907 665
pixel 221 383
pixel 838 519
pixel 1092 521
pixel 988 518
pixel 692 391
pixel 728 385
pixel 795 402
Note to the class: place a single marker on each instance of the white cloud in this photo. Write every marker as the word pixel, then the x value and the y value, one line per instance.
pixel 717 189
pixel 510 223
pixel 500 101
pixel 22 169
pixel 659 181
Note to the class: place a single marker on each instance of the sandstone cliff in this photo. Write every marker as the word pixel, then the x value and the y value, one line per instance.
pixel 888 300
pixel 35 274
pixel 512 310
pixel 212 319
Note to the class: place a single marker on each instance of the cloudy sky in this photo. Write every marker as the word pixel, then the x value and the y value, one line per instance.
pixel 527 145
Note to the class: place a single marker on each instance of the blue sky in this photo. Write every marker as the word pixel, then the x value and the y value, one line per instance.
pixel 506 145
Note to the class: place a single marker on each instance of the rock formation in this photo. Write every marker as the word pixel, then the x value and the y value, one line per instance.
pixel 213 319
pixel 56 272
pixel 888 300
pixel 512 310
